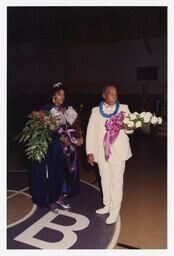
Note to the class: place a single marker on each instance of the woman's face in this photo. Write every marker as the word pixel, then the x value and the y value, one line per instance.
pixel 59 97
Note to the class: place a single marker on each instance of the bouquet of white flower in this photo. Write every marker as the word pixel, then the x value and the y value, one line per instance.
pixel 70 115
pixel 138 120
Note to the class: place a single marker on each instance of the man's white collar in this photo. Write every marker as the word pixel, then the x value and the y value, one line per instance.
pixel 108 106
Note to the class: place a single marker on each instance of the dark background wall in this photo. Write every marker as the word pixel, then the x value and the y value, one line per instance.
pixel 85 48
pixel 85 69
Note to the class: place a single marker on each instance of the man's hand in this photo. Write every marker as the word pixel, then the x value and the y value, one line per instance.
pixel 90 159
pixel 129 131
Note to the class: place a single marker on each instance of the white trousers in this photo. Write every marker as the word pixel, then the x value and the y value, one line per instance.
pixel 112 173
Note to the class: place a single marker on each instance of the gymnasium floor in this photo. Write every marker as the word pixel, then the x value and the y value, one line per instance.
pixel 144 206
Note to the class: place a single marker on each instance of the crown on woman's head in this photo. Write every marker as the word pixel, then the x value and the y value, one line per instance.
pixel 57 85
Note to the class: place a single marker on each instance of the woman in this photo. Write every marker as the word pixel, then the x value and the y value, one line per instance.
pixel 58 174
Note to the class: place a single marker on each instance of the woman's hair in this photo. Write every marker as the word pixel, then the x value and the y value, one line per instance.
pixel 57 87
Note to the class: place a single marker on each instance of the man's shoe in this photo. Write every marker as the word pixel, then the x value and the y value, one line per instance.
pixel 103 210
pixel 111 220
pixel 63 204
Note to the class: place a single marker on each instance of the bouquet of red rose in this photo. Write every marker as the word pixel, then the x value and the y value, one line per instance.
pixel 36 135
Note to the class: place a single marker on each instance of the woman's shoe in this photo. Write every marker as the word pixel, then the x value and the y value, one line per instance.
pixel 63 204
pixel 53 207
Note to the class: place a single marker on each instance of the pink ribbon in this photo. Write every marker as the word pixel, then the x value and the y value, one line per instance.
pixel 113 126
pixel 69 133
pixel 72 139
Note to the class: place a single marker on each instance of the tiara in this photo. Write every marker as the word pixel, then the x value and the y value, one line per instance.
pixel 57 85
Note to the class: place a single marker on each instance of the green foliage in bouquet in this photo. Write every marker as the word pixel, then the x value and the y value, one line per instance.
pixel 36 135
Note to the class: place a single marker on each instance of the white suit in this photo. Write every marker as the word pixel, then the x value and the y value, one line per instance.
pixel 111 171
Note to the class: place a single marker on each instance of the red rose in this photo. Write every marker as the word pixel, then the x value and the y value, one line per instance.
pixel 33 114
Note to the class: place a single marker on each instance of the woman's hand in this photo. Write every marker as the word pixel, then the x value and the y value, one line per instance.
pixel 65 140
pixel 79 141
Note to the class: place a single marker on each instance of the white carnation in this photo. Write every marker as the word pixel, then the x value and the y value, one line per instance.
pixel 130 124
pixel 126 120
pixel 54 112
pixel 133 116
pixel 138 124
pixel 146 118
pixel 70 115
pixel 149 114
pixel 142 114
pixel 154 120
pixel 126 114
pixel 160 120
pixel 58 115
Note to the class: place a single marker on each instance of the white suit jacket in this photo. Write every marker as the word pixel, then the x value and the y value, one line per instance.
pixel 95 135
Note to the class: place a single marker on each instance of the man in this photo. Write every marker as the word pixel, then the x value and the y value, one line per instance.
pixel 112 166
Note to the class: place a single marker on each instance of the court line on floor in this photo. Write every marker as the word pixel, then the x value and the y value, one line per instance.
pixel 17 192
pixel 27 216
pixel 112 243
pixel 114 240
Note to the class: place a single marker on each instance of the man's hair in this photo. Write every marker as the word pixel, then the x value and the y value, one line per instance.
pixel 109 85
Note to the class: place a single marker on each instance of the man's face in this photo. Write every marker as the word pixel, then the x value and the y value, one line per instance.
pixel 59 97
pixel 110 95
